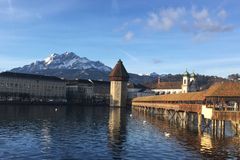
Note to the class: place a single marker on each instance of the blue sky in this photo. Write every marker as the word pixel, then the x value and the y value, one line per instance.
pixel 163 36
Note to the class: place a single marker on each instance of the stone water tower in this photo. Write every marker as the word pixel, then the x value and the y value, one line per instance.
pixel 118 90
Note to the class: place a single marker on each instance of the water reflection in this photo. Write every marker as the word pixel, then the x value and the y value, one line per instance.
pixel 117 131
pixel 31 112
pixel 46 137
pixel 75 132
pixel 207 145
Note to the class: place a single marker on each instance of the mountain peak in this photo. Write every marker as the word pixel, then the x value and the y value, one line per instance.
pixel 67 60
pixel 69 53
pixel 49 59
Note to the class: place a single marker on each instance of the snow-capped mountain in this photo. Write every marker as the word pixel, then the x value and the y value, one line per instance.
pixel 67 60
pixel 70 66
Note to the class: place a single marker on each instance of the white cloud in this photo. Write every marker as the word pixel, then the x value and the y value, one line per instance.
pixel 165 19
pixel 202 37
pixel 199 15
pixel 196 20
pixel 129 24
pixel 204 23
pixel 128 36
pixel 222 14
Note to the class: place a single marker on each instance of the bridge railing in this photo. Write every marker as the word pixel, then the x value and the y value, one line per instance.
pixel 169 106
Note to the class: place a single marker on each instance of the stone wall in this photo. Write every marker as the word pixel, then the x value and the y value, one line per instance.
pixel 118 93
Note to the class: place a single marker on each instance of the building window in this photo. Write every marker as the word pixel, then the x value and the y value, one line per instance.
pixel 185 82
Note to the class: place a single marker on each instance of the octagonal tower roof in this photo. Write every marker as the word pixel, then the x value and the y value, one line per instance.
pixel 119 73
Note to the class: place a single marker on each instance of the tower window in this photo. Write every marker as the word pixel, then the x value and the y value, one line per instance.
pixel 185 81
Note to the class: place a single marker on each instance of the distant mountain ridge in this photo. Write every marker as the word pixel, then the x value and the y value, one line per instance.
pixel 70 66
pixel 67 60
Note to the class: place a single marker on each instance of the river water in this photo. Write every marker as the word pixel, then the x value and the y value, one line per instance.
pixel 74 132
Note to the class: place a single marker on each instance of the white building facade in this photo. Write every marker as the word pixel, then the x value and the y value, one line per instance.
pixel 30 87
pixel 188 84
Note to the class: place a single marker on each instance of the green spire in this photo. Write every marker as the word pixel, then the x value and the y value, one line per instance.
pixel 193 74
pixel 186 73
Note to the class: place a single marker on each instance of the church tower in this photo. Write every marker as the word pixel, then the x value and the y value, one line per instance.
pixel 193 83
pixel 118 89
pixel 192 77
pixel 186 82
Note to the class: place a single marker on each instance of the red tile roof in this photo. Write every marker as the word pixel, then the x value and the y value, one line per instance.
pixel 192 96
pixel 119 73
pixel 224 89
pixel 167 85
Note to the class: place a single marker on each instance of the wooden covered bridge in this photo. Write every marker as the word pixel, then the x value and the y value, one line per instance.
pixel 220 103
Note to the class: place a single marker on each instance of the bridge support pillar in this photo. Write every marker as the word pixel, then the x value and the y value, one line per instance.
pixel 213 126
pixel 192 117
pixel 185 119
pixel 165 113
pixel 218 127
pixel 237 125
pixel 199 122
pixel 222 127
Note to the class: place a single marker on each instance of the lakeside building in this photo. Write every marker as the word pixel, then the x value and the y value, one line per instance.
pixel 20 87
pixel 31 88
pixel 83 91
pixel 138 90
pixel 188 84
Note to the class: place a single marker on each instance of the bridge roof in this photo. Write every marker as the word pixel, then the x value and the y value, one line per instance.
pixel 192 96
pixel 224 89
pixel 221 89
